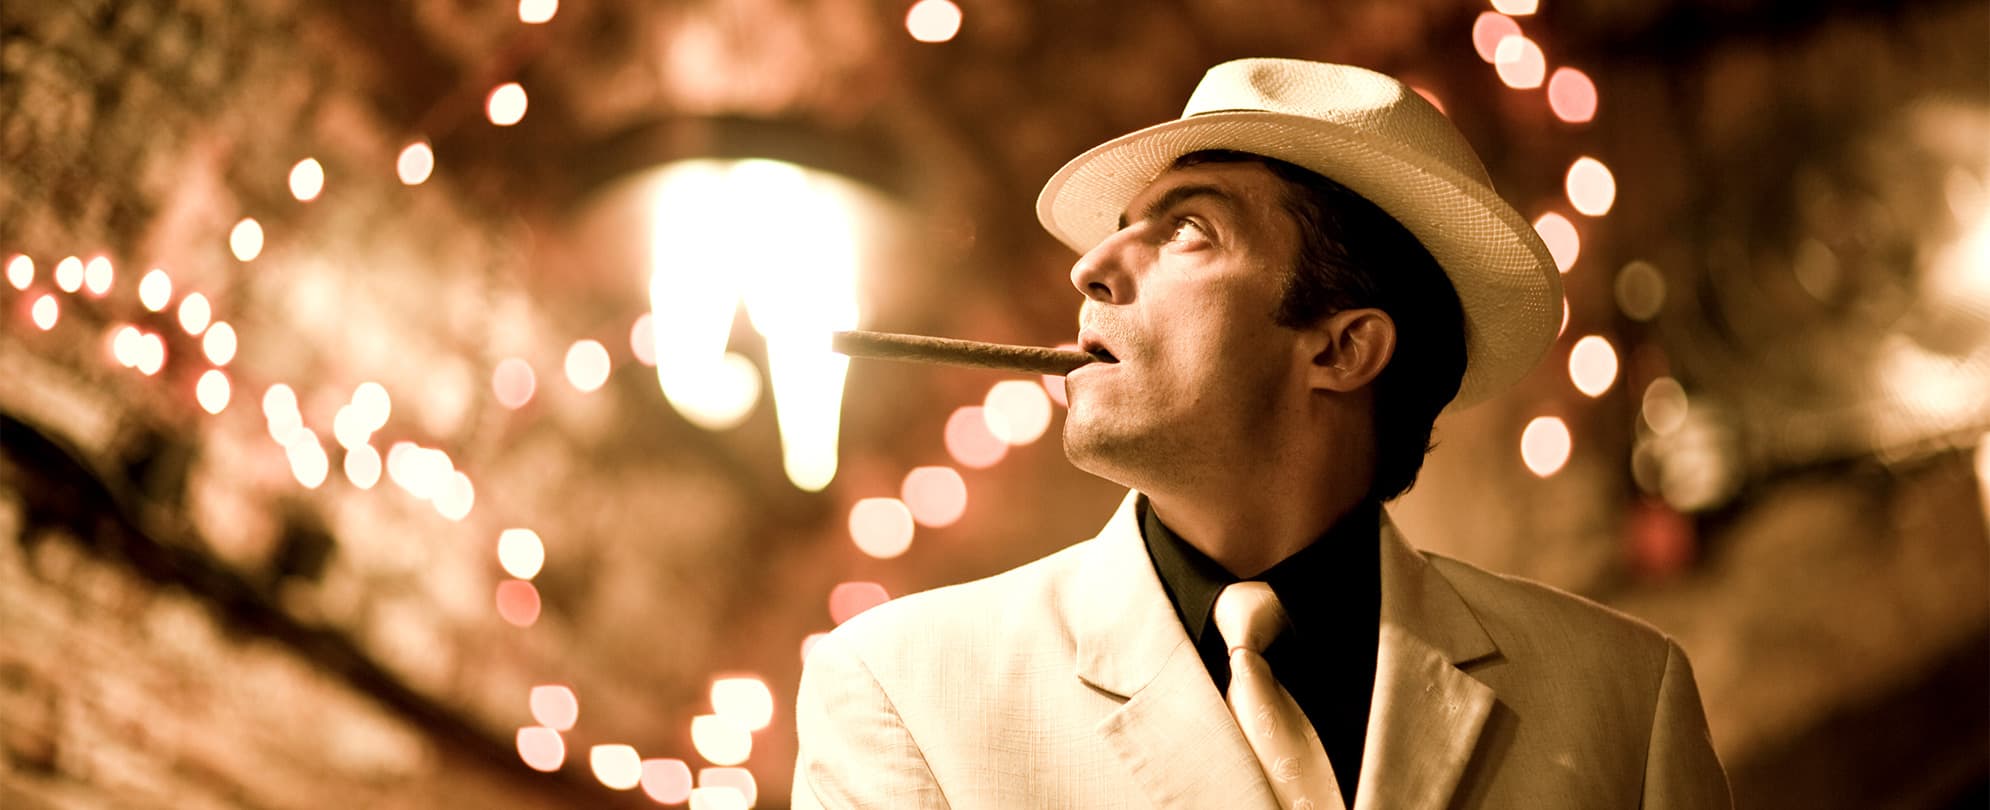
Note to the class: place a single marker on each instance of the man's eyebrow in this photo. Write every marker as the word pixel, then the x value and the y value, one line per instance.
pixel 1178 195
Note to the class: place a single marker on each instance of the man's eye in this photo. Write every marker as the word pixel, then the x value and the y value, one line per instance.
pixel 1187 230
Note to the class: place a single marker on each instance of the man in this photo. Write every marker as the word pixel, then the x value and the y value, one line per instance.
pixel 1285 286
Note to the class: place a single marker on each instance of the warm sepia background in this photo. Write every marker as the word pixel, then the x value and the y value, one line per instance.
pixel 421 403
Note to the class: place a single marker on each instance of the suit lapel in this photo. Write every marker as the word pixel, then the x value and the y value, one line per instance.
pixel 1174 733
pixel 1427 713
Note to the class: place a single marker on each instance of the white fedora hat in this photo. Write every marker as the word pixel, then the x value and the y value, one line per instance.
pixel 1377 137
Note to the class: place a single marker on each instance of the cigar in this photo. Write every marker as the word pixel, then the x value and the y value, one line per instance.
pixel 948 351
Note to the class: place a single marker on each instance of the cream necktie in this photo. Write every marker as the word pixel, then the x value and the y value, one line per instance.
pixel 1248 617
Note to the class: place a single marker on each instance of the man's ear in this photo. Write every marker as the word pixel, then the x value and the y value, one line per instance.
pixel 1349 349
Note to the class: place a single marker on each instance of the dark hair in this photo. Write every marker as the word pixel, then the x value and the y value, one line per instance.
pixel 1352 255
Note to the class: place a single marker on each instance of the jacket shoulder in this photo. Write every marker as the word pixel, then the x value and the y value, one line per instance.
pixel 1526 617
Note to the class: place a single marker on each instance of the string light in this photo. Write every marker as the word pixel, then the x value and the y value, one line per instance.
pixel 126 345
pixel 1517 8
pixel 280 409
pixel 44 312
pixel 1544 445
pixel 881 527
pixel 933 20
pixel 456 497
pixel 246 239
pixel 1571 95
pixel 521 553
pixel 155 290
pixel 416 162
pixel 642 340
pixel 194 313
pixel 308 462
pixel 212 391
pixel 969 440
pixel 517 602
pixel 848 599
pixel 1519 62
pixel 554 706
pixel 513 382
pixel 535 12
pixel 69 274
pixel 362 466
pixel 541 748
pixel 1488 30
pixel 1560 235
pixel 20 271
pixel 1590 186
pixel 307 179
pixel 1664 405
pixel 151 354
pixel 1640 291
pixel 721 740
pixel 667 781
pixel 97 276
pixel 745 699
pixel 587 365
pixel 617 766
pixel 219 343
pixel 1593 365
pixel 1017 411
pixel 936 496
pixel 506 104
pixel 738 780
pixel 373 404
pixel 717 798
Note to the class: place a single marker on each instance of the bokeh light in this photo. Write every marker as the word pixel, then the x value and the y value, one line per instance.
pixel 1519 62
pixel 308 462
pixel 848 599
pixel 970 442
pixel 881 527
pixel 506 104
pixel 151 354
pixel 717 798
pixel 371 401
pixel 617 766
pixel 933 20
pixel 1563 243
pixel 69 274
pixel 518 602
pixel 719 398
pixel 44 312
pixel 809 642
pixel 97 276
pixel 587 365
pixel 349 427
pixel 1544 445
pixel 1571 95
pixel 195 313
pixel 513 382
pixel 456 497
pixel 738 779
pixel 642 339
pixel 1593 365
pixel 362 466
pixel 416 162
pixel 541 748
pixel 1591 187
pixel 1640 291
pixel 534 12
pixel 307 179
pixel 219 343
pixel 212 391
pixel 937 496
pixel 155 290
pixel 245 240
pixel 721 740
pixel 125 345
pixel 20 271
pixel 1017 411
pixel 521 553
pixel 1664 405
pixel 1517 8
pixel 745 699
pixel 1488 30
pixel 280 408
pixel 667 781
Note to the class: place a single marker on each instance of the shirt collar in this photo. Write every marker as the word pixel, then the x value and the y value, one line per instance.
pixel 1317 584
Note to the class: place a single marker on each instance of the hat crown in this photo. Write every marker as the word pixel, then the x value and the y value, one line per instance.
pixel 1356 98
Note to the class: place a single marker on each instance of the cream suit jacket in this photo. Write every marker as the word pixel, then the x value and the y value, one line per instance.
pixel 1069 682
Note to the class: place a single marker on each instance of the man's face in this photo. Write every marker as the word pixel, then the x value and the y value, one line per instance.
pixel 1183 297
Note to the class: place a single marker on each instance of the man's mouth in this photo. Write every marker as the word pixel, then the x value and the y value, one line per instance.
pixel 1090 344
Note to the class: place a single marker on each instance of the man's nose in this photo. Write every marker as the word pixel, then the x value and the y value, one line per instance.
pixel 1102 274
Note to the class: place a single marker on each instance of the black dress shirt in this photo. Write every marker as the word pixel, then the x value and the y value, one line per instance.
pixel 1332 592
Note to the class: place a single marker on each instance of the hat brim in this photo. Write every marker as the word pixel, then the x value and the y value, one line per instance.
pixel 1505 278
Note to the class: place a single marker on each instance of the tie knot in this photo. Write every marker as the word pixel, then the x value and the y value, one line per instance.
pixel 1248 616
